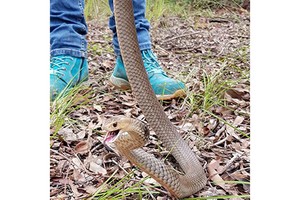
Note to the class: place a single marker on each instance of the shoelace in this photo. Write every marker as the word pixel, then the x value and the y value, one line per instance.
pixel 56 65
pixel 151 63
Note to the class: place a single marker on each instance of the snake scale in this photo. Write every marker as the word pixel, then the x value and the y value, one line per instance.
pixel 178 185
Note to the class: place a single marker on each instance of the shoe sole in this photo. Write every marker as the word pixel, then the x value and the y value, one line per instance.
pixel 122 84
pixel 119 83
pixel 176 94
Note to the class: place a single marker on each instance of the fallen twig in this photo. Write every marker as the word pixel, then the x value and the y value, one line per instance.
pixel 179 36
pixel 230 162
pixel 218 20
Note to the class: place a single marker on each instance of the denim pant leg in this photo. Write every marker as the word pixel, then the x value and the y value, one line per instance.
pixel 68 28
pixel 141 23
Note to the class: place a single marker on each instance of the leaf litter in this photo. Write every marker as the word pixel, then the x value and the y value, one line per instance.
pixel 80 164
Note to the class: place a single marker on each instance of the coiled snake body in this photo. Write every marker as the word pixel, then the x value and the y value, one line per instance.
pixel 129 144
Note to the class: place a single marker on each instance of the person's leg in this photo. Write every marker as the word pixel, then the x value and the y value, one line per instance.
pixel 141 23
pixel 163 86
pixel 68 63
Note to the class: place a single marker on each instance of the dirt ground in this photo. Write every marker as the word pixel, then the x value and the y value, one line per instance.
pixel 188 49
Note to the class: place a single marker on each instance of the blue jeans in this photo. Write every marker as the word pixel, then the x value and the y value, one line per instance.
pixel 68 27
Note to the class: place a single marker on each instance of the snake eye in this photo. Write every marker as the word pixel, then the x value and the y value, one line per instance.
pixel 115 124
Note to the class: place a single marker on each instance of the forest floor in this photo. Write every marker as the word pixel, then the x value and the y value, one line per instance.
pixel 211 55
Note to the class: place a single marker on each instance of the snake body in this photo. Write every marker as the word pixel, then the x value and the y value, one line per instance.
pixel 194 177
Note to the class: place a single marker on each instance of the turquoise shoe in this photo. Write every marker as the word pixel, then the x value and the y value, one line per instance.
pixel 164 87
pixel 65 73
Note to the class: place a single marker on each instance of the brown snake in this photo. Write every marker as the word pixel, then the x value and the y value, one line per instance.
pixel 178 185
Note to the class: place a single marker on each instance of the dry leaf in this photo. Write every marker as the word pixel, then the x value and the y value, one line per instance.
pixel 94 167
pixel 161 198
pixel 64 180
pixel 76 161
pixel 239 176
pixel 245 143
pixel 221 130
pixel 80 135
pixel 240 102
pixel 236 146
pixel 230 131
pixel 82 147
pixel 109 156
pixel 212 124
pixel 90 189
pixel 126 97
pixel 227 97
pixel 235 93
pixel 238 120
pixel 54 191
pixel 126 165
pixel 78 176
pixel 187 127
pixel 213 174
pixel 129 104
pixel 223 111
pixel 98 107
pixel 205 131
pixel 74 189
pixel 108 64
pixel 149 180
pixel 67 134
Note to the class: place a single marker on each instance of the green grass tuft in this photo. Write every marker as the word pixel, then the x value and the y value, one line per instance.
pixel 120 189
pixel 214 88
pixel 99 9
pixel 96 9
pixel 155 9
pixel 65 103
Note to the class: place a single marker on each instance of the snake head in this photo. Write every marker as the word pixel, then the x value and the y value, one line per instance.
pixel 114 127
pixel 120 126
